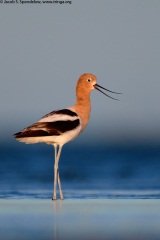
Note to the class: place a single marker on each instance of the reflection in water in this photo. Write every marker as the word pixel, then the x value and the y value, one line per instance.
pixel 57 205
pixel 88 219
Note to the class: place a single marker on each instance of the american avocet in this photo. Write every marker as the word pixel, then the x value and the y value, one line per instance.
pixel 61 126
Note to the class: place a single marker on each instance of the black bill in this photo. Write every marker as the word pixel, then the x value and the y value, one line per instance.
pixel 96 86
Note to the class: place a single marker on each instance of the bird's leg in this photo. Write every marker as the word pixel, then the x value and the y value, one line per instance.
pixel 56 173
pixel 59 182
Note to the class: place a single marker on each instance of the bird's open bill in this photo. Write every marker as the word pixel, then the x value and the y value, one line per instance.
pixel 96 86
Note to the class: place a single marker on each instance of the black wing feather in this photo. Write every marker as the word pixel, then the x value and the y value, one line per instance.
pixel 41 129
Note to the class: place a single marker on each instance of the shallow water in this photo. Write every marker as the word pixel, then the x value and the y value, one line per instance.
pixel 88 219
pixel 111 193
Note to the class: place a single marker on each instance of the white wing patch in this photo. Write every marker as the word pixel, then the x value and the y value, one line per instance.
pixel 59 116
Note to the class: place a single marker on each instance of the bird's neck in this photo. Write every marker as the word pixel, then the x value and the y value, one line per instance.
pixel 83 108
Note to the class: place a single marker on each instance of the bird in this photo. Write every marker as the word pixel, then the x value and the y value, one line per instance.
pixel 61 126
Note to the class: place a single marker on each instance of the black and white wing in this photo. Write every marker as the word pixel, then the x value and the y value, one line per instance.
pixel 53 124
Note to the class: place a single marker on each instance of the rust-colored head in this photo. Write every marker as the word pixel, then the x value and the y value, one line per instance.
pixel 86 83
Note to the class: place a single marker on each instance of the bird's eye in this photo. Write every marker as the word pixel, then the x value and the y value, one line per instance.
pixel 89 80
